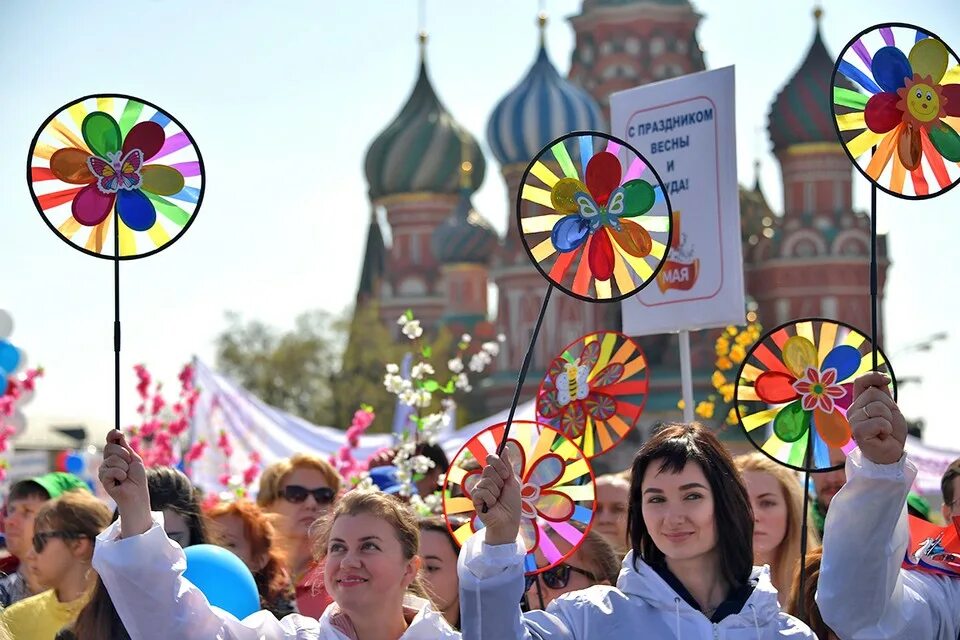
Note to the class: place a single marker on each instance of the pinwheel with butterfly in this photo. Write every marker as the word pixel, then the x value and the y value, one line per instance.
pixel 118 178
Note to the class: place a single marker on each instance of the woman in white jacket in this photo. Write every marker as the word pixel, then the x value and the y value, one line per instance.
pixel 689 575
pixel 368 544
pixel 863 593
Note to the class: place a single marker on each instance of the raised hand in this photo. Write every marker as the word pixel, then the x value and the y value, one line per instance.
pixel 879 428
pixel 125 480
pixel 498 490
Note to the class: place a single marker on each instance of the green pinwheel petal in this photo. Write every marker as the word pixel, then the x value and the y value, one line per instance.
pixel 101 133
pixel 638 198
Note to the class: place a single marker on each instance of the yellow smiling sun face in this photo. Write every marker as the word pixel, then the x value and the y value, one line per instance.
pixel 923 102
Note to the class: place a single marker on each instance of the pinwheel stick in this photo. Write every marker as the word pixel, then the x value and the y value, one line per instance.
pixel 523 373
pixel 873 272
pixel 116 320
pixel 803 527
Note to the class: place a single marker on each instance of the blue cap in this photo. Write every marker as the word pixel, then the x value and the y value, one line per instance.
pixel 385 478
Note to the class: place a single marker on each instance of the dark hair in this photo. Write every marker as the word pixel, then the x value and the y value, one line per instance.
pixel 439 525
pixel 946 483
pixel 810 613
pixel 435 453
pixel 99 618
pixel 171 489
pixel 27 489
pixel 672 447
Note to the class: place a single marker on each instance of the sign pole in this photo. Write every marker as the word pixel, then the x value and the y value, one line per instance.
pixel 686 376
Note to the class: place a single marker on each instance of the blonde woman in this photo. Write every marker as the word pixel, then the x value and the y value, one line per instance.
pixel 776 497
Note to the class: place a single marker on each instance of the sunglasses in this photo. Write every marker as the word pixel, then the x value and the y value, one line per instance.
pixel 296 494
pixel 559 576
pixel 40 538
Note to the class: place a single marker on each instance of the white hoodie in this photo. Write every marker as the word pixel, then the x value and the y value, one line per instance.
pixel 144 576
pixel 642 606
pixel 863 594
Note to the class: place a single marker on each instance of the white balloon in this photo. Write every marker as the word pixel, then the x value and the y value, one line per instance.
pixel 6 324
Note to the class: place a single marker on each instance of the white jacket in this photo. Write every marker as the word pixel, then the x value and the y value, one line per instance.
pixel 863 594
pixel 641 607
pixel 144 575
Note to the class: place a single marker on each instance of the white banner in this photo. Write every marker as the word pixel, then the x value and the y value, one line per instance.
pixel 931 465
pixel 253 425
pixel 685 128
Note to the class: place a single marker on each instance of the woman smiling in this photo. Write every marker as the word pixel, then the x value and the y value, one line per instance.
pixel 689 574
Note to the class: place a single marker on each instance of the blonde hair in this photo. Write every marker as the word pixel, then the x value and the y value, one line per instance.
pixel 786 558
pixel 272 477
pixel 601 554
pixel 382 506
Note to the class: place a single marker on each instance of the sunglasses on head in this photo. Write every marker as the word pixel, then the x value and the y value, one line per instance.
pixel 296 494
pixel 559 576
pixel 40 538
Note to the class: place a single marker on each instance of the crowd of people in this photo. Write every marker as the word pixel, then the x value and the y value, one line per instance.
pixel 688 543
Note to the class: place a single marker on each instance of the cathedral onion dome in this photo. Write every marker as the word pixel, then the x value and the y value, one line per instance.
pixel 801 111
pixel 419 152
pixel 544 106
pixel 466 236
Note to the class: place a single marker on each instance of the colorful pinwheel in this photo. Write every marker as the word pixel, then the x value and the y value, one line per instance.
pixel 607 233
pixel 912 111
pixel 556 490
pixel 115 154
pixel 595 391
pixel 795 386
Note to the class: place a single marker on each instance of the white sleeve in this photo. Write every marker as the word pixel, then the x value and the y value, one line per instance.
pixel 144 576
pixel 862 592
pixel 491 586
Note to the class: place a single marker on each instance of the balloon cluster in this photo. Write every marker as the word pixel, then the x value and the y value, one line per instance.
pixel 16 388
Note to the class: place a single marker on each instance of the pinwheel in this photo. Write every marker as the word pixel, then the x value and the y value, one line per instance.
pixel 595 390
pixel 117 178
pixel 557 490
pixel 600 229
pixel 794 388
pixel 909 113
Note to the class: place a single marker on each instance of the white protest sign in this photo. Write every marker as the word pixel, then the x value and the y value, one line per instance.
pixel 685 128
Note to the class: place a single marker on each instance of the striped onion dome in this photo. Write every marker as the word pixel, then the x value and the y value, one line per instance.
pixel 465 236
pixel 420 150
pixel 801 111
pixel 542 107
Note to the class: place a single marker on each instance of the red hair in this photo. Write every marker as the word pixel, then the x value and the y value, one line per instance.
pixel 273 581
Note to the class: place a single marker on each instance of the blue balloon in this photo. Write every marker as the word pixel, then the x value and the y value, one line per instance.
pixel 845 359
pixel 223 578
pixel 3 381
pixel 9 356
pixel 74 464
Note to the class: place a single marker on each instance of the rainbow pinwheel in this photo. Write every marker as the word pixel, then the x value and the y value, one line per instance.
pixel 556 490
pixel 795 386
pixel 911 112
pixel 608 227
pixel 112 154
pixel 595 390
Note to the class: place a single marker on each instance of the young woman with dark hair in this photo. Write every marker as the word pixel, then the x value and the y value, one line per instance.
pixel 689 575
pixel 367 545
